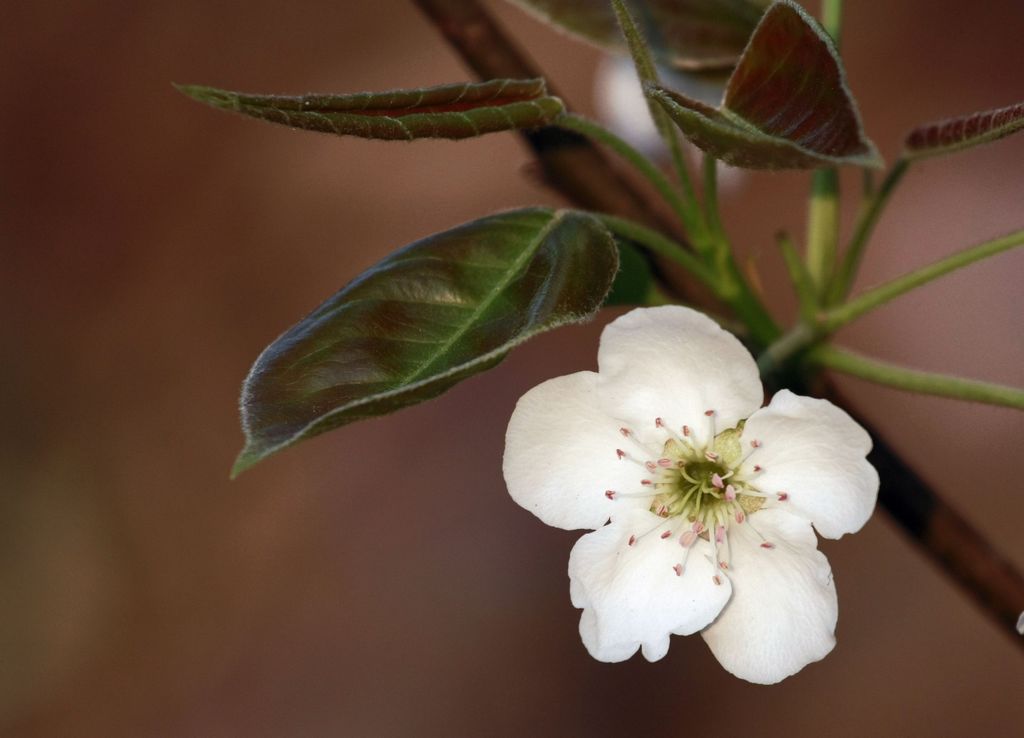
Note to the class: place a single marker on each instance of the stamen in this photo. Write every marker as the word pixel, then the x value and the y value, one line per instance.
pixel 660 423
pixel 754 446
pixel 783 496
pixel 610 494
pixel 687 539
pixel 716 480
pixel 711 456
pixel 625 432
pixel 686 431
pixel 719 534
pixel 758 468
pixel 620 453
pixel 717 580
pixel 711 416
pixel 624 495
pixel 666 534
pixel 678 569
pixel 646 482
pixel 740 517
pixel 632 541
pixel 730 492
pixel 651 466
pixel 665 463
pixel 768 544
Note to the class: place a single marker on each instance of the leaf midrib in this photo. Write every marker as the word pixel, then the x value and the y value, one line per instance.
pixel 487 301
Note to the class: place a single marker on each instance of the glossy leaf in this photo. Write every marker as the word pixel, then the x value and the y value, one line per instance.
pixel 956 134
pixel 449 111
pixel 691 35
pixel 786 105
pixel 423 319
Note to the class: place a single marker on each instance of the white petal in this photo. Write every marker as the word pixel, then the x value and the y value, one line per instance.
pixel 632 596
pixel 560 455
pixel 609 653
pixel 814 452
pixel 782 615
pixel 675 363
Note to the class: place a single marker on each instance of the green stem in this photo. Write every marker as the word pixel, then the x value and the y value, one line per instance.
pixel 872 299
pixel 823 212
pixel 832 18
pixel 732 287
pixel 802 284
pixel 823 228
pixel 870 212
pixel 656 243
pixel 711 214
pixel 913 380
pixel 598 133
pixel 792 342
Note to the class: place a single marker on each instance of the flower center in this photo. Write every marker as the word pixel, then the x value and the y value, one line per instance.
pixel 698 489
pixel 703 485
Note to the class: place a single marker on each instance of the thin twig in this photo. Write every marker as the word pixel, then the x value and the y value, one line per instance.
pixel 581 174
pixel 571 164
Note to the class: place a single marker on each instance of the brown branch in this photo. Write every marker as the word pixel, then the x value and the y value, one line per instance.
pixel 570 163
pixel 582 174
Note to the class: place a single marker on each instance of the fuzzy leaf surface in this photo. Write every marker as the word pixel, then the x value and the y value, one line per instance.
pixel 447 111
pixel 692 35
pixel 423 319
pixel 786 105
pixel 957 134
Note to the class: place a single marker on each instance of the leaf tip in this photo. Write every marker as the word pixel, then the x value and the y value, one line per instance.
pixel 247 459
pixel 872 158
pixel 209 95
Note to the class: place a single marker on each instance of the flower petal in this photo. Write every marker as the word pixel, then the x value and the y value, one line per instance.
pixel 782 615
pixel 632 596
pixel 814 452
pixel 675 363
pixel 560 455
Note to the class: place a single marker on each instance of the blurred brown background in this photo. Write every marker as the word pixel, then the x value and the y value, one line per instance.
pixel 378 581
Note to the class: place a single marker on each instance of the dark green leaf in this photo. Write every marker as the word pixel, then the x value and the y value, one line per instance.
pixel 786 105
pixel 633 283
pixel 448 111
pixel 956 134
pixel 423 319
pixel 684 34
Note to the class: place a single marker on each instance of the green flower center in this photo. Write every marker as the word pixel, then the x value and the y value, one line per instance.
pixel 702 484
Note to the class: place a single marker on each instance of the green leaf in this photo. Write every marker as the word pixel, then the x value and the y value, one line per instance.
pixel 691 35
pixel 957 134
pixel 633 283
pixel 786 105
pixel 423 319
pixel 449 111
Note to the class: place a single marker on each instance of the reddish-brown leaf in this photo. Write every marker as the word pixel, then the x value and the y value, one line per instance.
pixel 786 105
pixel 956 134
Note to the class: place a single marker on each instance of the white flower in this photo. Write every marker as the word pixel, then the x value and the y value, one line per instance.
pixel 711 497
